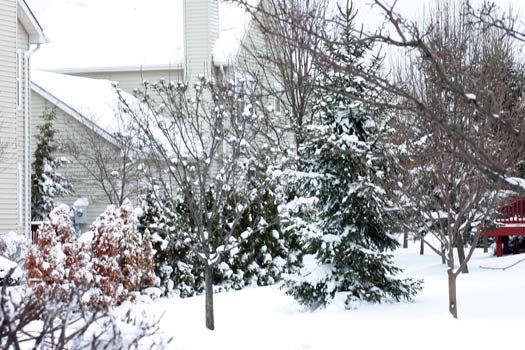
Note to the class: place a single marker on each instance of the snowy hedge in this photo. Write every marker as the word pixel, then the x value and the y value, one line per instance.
pixel 257 252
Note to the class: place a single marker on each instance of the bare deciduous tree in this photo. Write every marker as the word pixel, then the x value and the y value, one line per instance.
pixel 289 73
pixel 461 79
pixel 108 158
pixel 197 144
pixel 451 195
pixel 452 201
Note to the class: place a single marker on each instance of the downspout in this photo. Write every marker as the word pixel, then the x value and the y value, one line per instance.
pixel 27 138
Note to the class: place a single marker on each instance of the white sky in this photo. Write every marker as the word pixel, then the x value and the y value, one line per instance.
pixel 372 17
pixel 91 33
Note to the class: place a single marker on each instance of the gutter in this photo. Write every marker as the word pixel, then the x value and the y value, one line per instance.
pixel 176 65
pixel 27 137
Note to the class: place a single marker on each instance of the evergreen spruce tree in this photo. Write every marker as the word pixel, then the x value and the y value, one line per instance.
pixel 46 183
pixel 343 169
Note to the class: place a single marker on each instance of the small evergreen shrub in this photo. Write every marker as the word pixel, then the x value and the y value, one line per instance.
pixel 47 183
pixel 256 254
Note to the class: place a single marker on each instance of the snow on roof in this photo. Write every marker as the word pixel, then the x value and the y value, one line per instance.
pixel 100 33
pixel 127 34
pixel 233 25
pixel 94 102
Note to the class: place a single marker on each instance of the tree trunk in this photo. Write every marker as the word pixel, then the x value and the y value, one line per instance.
pixel 461 253
pixel 405 239
pixel 208 282
pixel 452 299
pixel 485 245
pixel 443 255
pixel 421 246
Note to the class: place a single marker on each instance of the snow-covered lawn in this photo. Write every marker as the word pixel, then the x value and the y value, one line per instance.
pixel 490 304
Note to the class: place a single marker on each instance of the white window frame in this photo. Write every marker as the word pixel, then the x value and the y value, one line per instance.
pixel 19 79
pixel 20 195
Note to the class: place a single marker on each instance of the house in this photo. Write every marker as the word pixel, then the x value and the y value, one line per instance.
pixel 137 40
pixel 87 121
pixel 132 41
pixel 173 39
pixel 19 29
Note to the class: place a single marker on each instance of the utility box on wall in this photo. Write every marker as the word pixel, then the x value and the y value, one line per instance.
pixel 80 215
pixel 79 211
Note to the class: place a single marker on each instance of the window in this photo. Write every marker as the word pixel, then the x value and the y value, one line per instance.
pixel 244 88
pixel 244 85
pixel 277 97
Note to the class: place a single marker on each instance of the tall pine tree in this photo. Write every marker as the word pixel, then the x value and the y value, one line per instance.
pixel 46 183
pixel 343 169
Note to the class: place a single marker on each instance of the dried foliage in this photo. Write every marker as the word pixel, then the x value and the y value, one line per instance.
pixel 116 261
pixel 147 262
pixel 55 264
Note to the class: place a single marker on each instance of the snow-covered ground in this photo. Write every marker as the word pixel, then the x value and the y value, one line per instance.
pixel 490 304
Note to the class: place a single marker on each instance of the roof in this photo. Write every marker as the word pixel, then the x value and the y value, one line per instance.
pixel 126 34
pixel 30 23
pixel 234 22
pixel 95 103
pixel 92 102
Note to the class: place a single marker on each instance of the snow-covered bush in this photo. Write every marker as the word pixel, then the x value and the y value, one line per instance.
pixel 14 247
pixel 118 256
pixel 259 258
pixel 107 232
pixel 257 253
pixel 29 321
pixel 146 262
pixel 152 220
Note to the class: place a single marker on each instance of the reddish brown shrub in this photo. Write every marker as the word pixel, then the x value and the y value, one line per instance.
pixel 114 262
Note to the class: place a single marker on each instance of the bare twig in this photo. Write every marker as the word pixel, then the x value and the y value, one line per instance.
pixel 502 268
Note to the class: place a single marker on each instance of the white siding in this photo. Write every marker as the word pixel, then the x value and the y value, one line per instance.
pixel 22 46
pixel 201 28
pixel 8 122
pixel 264 72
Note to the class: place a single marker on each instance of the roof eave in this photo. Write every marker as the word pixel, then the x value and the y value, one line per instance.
pixel 30 23
pixel 105 69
